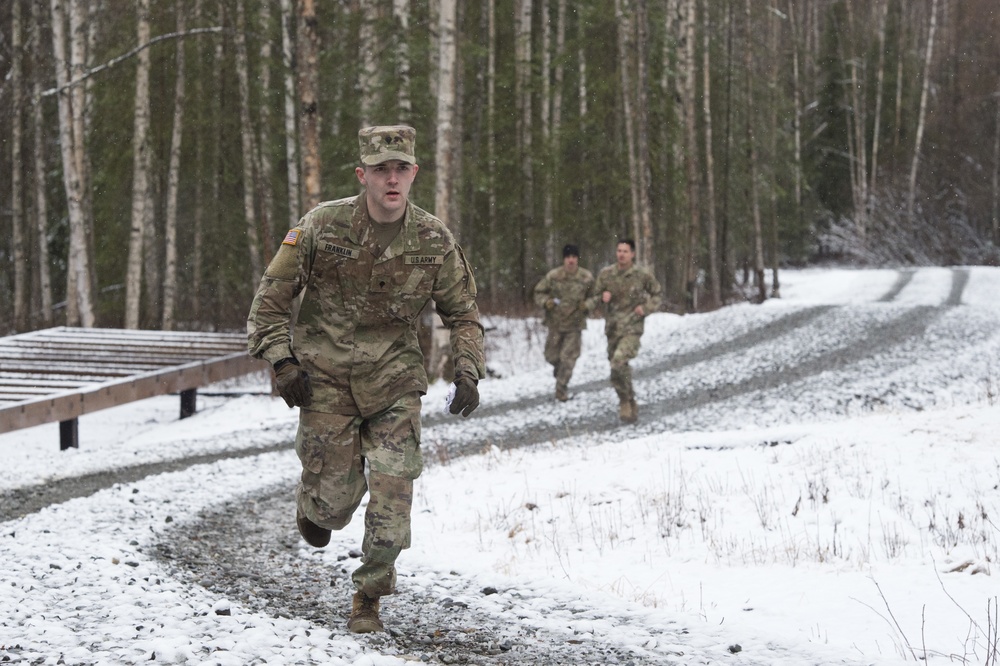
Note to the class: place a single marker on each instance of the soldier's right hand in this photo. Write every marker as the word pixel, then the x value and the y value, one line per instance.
pixel 550 304
pixel 293 382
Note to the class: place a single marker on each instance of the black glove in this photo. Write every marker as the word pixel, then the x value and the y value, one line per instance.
pixel 466 396
pixel 293 382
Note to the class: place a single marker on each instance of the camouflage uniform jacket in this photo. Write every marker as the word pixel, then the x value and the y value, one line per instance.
pixel 572 291
pixel 356 328
pixel 629 288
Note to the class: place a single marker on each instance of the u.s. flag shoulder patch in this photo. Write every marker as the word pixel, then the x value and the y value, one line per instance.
pixel 292 237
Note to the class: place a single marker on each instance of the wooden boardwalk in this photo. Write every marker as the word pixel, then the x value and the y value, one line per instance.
pixel 59 374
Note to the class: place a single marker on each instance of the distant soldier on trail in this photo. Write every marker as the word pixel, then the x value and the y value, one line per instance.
pixel 563 292
pixel 365 267
pixel 629 293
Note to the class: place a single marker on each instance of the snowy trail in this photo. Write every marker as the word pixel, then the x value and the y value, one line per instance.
pixel 181 548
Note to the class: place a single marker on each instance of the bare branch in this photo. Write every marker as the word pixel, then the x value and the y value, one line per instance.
pixel 125 56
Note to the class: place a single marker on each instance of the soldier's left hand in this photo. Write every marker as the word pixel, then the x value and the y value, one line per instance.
pixel 466 396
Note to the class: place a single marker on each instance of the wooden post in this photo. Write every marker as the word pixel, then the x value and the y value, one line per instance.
pixel 69 434
pixel 189 402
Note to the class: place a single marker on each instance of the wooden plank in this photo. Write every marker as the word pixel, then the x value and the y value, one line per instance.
pixel 71 404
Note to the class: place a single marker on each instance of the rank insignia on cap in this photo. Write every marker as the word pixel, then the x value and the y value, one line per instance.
pixel 292 237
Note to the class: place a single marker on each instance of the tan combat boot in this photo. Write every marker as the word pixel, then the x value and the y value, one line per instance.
pixel 364 615
pixel 628 411
pixel 562 395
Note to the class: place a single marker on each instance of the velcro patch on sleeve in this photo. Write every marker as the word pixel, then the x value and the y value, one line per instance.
pixel 292 237
pixel 342 251
pixel 424 259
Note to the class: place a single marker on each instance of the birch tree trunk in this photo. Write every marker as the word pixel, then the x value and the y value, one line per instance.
pixel 691 165
pixel 491 150
pixel 857 123
pixel 308 71
pixel 645 239
pixel 291 135
pixel 624 24
pixel 922 117
pixel 522 85
pixel 758 239
pixel 41 198
pixel 996 172
pixel 263 154
pixel 82 32
pixel 444 146
pixel 140 172
pixel 247 142
pixel 79 306
pixel 173 180
pixel 714 283
pixel 401 12
pixel 772 21
pixel 546 126
pixel 18 220
pixel 883 10
pixel 797 113
pixel 368 55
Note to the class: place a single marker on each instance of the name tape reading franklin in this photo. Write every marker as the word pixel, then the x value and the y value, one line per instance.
pixel 342 251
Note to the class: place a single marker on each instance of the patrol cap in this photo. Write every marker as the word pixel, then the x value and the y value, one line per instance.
pixel 387 142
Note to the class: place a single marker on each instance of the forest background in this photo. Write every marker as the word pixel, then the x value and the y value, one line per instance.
pixel 155 151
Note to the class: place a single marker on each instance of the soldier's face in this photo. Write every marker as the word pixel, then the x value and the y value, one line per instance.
pixel 625 255
pixel 570 263
pixel 388 186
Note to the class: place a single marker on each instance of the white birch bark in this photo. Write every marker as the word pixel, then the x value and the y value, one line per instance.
pixel 291 134
pixel 546 126
pixel 797 111
pixel 691 163
pixel 623 24
pixel 522 92
pixel 714 282
pixel 79 306
pixel 173 180
pixel 491 149
pixel 401 13
pixel 444 146
pixel 140 172
pixel 883 10
pixel 265 168
pixel 758 236
pixel 645 240
pixel 368 54
pixel 996 172
pixel 922 117
pixel 308 80
pixel 18 220
pixel 247 144
pixel 41 198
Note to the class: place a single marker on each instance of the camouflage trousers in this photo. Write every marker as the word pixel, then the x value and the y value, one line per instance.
pixel 562 349
pixel 333 450
pixel 621 350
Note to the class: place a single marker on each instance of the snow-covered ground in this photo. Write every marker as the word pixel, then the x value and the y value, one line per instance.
pixel 849 515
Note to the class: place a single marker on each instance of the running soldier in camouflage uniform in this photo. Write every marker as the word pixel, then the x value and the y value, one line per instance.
pixel 629 293
pixel 360 270
pixel 563 292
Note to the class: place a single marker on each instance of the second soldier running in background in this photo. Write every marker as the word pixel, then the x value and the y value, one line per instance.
pixel 563 292
pixel 629 293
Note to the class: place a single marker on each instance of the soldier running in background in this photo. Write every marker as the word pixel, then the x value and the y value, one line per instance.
pixel 563 292
pixel 629 293
pixel 365 267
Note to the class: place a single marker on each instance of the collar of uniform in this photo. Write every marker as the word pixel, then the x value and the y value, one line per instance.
pixel 408 239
